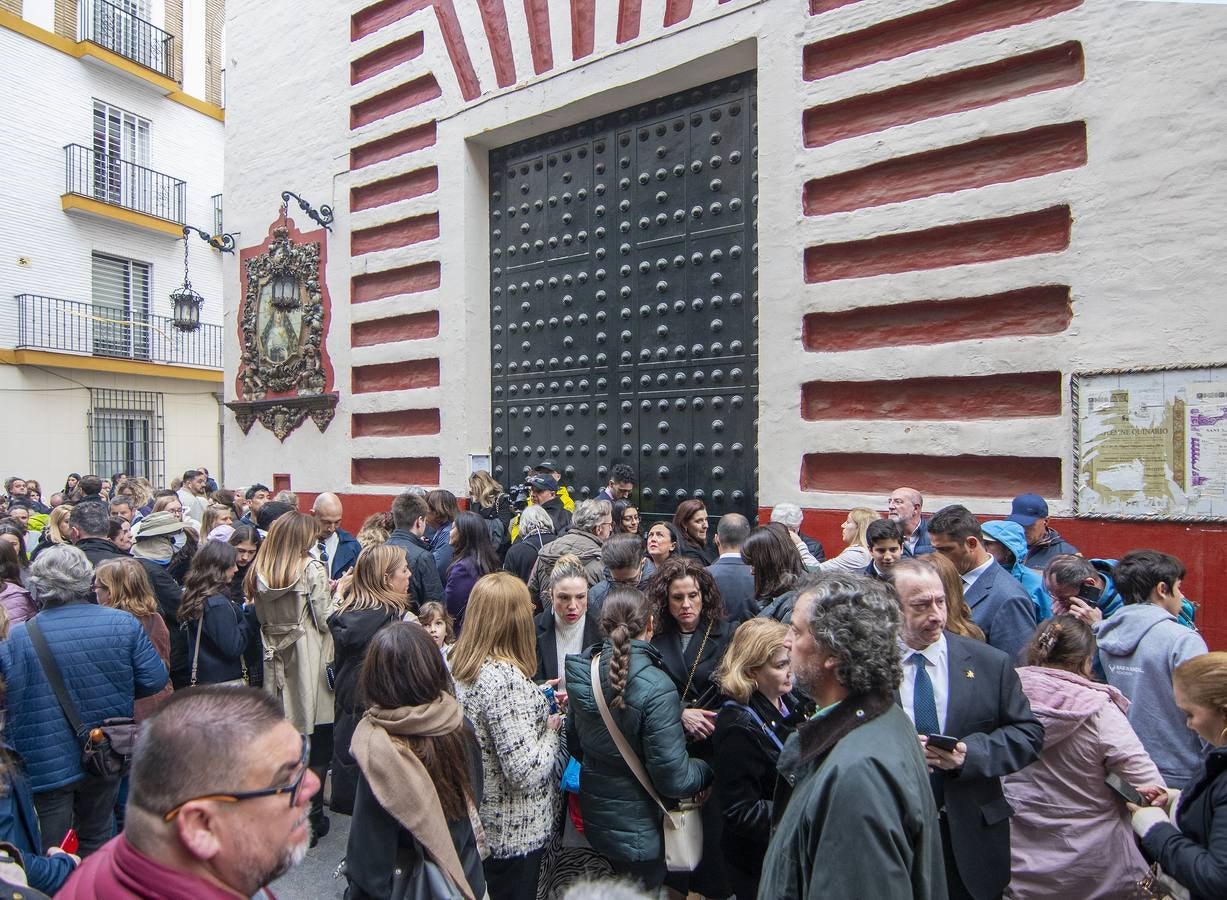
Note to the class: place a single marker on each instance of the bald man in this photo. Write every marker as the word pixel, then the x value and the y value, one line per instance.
pixel 335 547
pixel 904 507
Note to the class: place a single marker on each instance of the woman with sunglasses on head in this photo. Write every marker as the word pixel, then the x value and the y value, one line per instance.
pixel 290 591
pixel 420 781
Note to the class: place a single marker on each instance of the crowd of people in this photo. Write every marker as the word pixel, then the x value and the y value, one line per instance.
pixel 538 697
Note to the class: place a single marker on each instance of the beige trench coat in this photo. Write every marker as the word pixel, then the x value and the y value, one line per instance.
pixel 298 645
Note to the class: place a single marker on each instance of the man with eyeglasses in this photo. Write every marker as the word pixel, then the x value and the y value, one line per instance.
pixel 218 806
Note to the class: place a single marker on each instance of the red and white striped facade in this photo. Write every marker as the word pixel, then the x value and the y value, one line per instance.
pixel 960 204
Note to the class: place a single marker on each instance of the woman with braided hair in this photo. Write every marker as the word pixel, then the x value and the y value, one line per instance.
pixel 621 820
pixel 1070 835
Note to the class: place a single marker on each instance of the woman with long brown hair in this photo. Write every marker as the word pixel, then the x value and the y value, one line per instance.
pixel 493 663
pixel 420 771
pixel 692 632
pixel 376 594
pixel 124 584
pixel 290 591
pixel 621 821
pixel 776 564
pixel 217 630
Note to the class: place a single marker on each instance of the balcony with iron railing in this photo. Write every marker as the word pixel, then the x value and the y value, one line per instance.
pixel 104 330
pixel 105 182
pixel 126 34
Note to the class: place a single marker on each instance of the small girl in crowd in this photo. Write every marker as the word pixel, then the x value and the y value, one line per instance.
pixel 439 625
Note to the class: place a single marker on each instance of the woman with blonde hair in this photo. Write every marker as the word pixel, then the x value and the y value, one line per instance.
pixel 375 594
pixel 1185 835
pixel 376 529
pixel 215 514
pixel 290 591
pixel 855 556
pixel 493 663
pixel 758 714
pixel 56 531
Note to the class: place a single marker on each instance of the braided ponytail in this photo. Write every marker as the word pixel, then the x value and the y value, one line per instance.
pixel 624 616
pixel 1062 642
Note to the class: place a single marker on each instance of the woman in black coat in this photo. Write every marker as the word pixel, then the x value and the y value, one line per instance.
pixel 1193 852
pixel 566 625
pixel 536 529
pixel 216 631
pixel 420 772
pixel 777 566
pixel 377 594
pixel 692 635
pixel 690 519
pixel 756 717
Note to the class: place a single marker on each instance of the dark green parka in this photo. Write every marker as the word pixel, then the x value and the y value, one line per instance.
pixel 620 819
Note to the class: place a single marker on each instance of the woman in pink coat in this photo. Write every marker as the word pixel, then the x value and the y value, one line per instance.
pixel 1070 835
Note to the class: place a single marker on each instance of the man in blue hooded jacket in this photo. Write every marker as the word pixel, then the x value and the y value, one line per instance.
pixel 1007 542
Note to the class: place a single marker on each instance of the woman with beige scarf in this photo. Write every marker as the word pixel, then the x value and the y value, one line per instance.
pixel 420 776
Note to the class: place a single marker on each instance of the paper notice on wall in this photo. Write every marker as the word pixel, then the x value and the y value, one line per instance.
pixel 1207 415
pixel 1153 443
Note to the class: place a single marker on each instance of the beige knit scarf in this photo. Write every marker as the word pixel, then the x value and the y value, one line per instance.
pixel 401 783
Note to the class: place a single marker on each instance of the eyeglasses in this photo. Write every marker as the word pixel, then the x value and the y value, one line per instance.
pixel 291 788
pixel 631 517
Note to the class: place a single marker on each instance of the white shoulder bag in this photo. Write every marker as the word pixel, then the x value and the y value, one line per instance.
pixel 683 827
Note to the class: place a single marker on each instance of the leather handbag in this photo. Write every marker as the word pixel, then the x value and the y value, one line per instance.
pixel 106 750
pixel 683 827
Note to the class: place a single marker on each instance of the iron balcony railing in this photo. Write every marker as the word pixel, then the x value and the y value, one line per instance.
pixel 121 31
pixel 118 182
pixel 97 329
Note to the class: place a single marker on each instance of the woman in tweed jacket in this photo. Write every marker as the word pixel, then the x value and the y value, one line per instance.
pixel 492 663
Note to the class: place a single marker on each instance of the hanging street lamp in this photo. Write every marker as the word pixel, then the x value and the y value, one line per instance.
pixel 186 302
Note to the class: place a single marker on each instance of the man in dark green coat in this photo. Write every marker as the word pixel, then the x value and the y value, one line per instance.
pixel 858 817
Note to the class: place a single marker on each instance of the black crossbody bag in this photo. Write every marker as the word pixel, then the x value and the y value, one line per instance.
pixel 106 751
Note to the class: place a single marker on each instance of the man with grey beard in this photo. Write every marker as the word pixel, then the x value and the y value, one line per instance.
pixel 218 807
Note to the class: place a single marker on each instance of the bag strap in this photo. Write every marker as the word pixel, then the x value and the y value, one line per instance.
pixel 757 718
pixel 628 755
pixel 196 654
pixel 698 658
pixel 47 660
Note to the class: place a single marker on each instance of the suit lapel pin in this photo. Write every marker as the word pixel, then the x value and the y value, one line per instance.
pixel 969 673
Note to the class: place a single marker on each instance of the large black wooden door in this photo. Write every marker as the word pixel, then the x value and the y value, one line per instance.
pixel 624 300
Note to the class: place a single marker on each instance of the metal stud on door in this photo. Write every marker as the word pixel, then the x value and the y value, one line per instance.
pixel 624 300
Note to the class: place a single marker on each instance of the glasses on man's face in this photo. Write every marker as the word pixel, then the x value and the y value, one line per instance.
pixel 235 797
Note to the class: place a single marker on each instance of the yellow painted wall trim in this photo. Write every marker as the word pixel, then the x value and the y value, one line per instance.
pixel 90 206
pixel 107 364
pixel 79 49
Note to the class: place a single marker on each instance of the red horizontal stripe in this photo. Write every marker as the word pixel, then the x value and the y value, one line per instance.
pixel 397 423
pixel 955 476
pixel 412 374
pixel 405 280
pixel 392 146
pixel 394 189
pixel 386 57
pixel 398 99
pixel 1010 395
pixel 394 329
pixel 403 470
pixel 390 235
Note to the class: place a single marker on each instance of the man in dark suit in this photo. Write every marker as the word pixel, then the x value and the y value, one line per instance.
pixel 409 520
pixel 959 687
pixel 335 547
pixel 999 604
pixel 734 578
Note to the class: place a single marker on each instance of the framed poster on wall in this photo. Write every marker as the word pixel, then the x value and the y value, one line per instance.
pixel 1151 443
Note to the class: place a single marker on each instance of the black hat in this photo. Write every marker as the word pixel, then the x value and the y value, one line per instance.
pixel 270 512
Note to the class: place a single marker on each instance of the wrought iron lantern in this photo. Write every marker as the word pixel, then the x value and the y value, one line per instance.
pixel 185 302
pixel 285 292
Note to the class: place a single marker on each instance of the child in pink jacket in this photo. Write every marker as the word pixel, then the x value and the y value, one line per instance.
pixel 1070 835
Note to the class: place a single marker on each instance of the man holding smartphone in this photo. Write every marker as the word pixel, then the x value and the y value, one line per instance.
pixel 958 688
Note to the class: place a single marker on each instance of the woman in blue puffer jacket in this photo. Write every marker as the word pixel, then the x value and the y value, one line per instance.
pixel 107 661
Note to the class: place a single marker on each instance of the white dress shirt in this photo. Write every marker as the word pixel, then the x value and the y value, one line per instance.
pixel 969 577
pixel 937 664
pixel 330 545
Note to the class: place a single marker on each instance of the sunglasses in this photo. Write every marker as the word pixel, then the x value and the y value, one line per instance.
pixel 235 797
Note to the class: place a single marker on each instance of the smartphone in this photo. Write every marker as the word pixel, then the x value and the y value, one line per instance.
pixel 1090 593
pixel 1124 789
pixel 69 844
pixel 942 741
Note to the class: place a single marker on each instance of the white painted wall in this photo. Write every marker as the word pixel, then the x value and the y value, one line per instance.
pixel 1145 264
pixel 49 104
pixel 47 415
pixel 194 34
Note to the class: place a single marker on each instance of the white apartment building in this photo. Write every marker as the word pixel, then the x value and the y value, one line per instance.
pixel 114 124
